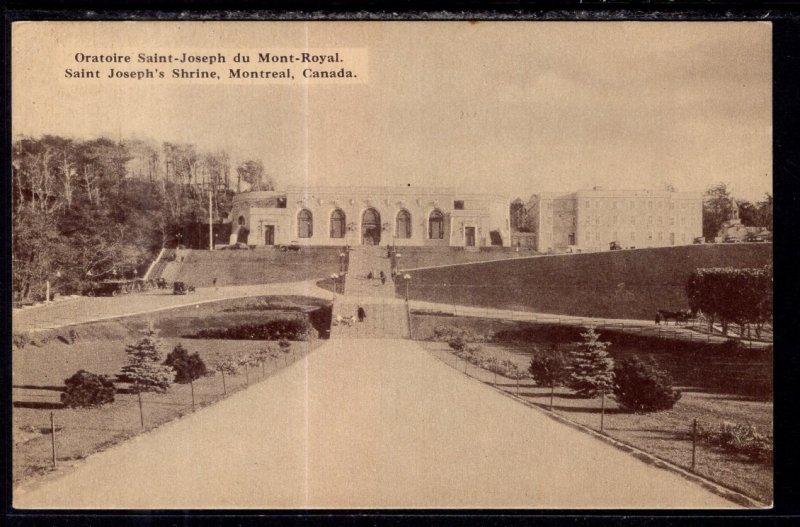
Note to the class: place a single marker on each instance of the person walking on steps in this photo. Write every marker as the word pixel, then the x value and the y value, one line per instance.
pixel 361 314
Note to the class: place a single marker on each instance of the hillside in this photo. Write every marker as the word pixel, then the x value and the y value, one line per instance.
pixel 259 266
pixel 619 284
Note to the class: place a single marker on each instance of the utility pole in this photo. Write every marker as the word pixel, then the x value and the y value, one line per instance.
pixel 210 223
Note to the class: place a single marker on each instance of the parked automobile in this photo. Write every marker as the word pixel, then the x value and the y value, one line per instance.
pixel 755 237
pixel 182 288
pixel 292 246
pixel 699 240
pixel 110 288
pixel 614 246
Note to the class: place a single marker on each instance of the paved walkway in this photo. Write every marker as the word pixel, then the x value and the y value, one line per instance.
pixel 366 424
pixel 86 309
pixel 641 327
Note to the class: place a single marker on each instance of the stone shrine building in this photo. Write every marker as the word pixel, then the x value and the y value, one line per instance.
pixel 403 216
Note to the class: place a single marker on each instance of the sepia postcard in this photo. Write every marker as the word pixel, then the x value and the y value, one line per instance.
pixel 426 265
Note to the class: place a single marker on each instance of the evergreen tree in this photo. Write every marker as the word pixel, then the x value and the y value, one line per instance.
pixel 188 367
pixel 144 370
pixel 591 370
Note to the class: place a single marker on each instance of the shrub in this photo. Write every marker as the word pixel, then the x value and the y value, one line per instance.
pixel 457 343
pixel 187 367
pixel 297 328
pixel 284 345
pixel 643 387
pixel 144 371
pixel 86 389
pixel 448 333
pixel 591 370
pixel 20 340
pixel 227 366
pixel 549 368
pixel 742 439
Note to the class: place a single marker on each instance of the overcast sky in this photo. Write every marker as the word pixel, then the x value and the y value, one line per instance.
pixel 514 108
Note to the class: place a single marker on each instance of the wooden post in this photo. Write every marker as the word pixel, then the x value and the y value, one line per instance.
pixel 224 390
pixel 495 376
pixel 552 394
pixel 53 437
pixel 694 443
pixel 191 385
pixel 517 385
pixel 141 410
pixel 246 375
pixel 263 374
pixel 602 408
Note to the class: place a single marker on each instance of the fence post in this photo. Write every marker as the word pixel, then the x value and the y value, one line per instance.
pixel 246 375
pixel 141 410
pixel 694 443
pixel 224 389
pixel 602 409
pixel 191 385
pixel 517 385
pixel 53 437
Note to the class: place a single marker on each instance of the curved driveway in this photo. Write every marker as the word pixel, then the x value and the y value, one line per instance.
pixel 366 424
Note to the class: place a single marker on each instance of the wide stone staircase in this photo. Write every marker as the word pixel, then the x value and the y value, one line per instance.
pixel 386 315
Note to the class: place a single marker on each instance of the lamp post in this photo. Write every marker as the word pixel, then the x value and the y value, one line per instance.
pixel 407 278
pixel 341 262
pixel 397 260
pixel 335 278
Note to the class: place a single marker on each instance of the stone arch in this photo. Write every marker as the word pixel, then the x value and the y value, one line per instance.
pixel 305 224
pixel 338 226
pixel 436 225
pixel 371 227
pixel 403 228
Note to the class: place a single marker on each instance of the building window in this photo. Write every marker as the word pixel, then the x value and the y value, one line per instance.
pixel 649 204
pixel 597 220
pixel 281 203
pixel 633 205
pixel 672 221
pixel 660 236
pixel 403 224
pixel 633 220
pixel 241 220
pixel 305 224
pixel 660 220
pixel 633 236
pixel 458 204
pixel 597 236
pixel 337 224
pixel 588 204
pixel 615 221
pixel 436 225
pixel 649 220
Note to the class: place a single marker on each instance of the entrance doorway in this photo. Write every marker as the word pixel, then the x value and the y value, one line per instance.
pixel 269 234
pixel 371 227
pixel 469 236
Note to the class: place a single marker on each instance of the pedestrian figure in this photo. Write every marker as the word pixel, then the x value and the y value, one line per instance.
pixel 383 278
pixel 214 282
pixel 370 276
pixel 361 314
pixel 658 319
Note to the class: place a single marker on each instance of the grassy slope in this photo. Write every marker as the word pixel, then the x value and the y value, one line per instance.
pixel 39 372
pixel 259 266
pixel 619 284
pixel 710 384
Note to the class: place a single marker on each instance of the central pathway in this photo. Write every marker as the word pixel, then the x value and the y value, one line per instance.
pixel 366 424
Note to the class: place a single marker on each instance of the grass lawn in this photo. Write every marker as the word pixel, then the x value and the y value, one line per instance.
pixel 39 372
pixel 663 434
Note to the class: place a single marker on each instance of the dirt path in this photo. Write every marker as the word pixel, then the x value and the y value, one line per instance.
pixel 372 424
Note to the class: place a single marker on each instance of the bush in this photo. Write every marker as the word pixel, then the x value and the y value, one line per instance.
pixel 643 387
pixel 549 368
pixel 297 328
pixel 187 367
pixel 742 439
pixel 448 333
pixel 20 340
pixel 86 389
